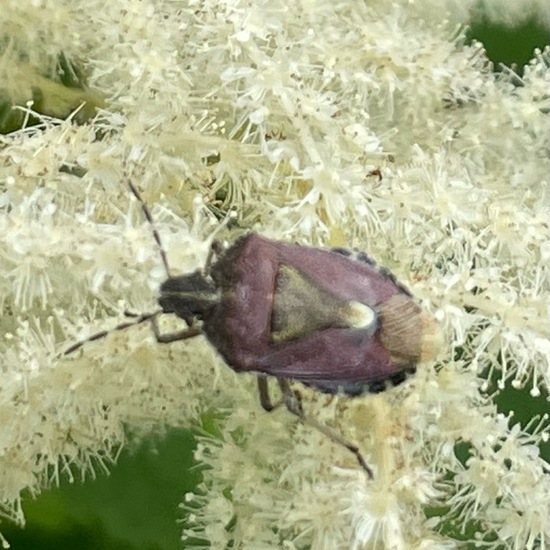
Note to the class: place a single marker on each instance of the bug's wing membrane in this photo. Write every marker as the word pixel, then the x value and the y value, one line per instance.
pixel 333 354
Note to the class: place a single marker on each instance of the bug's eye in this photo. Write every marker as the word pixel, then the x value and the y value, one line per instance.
pixel 188 296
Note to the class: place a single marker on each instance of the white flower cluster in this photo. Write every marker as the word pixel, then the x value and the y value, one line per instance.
pixel 279 112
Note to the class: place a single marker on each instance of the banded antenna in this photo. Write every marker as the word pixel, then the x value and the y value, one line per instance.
pixel 149 218
pixel 138 318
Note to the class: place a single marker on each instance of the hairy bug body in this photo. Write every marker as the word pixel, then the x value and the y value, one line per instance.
pixel 330 319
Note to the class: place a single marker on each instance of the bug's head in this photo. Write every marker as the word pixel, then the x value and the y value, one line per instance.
pixel 189 297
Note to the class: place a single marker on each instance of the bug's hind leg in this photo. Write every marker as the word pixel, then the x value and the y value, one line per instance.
pixel 293 403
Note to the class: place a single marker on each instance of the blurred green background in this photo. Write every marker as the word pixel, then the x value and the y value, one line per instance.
pixel 136 506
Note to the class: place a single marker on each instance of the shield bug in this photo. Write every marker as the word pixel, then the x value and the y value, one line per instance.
pixel 330 319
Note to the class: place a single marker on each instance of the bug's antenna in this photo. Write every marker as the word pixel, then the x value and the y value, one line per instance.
pixel 138 320
pixel 149 218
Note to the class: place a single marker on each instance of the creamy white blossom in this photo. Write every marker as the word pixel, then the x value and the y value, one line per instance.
pixel 278 112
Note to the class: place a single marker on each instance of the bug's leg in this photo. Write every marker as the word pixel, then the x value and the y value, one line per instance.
pixel 216 248
pixel 265 399
pixel 168 337
pixel 293 403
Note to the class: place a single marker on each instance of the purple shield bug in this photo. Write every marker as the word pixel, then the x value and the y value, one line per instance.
pixel 330 319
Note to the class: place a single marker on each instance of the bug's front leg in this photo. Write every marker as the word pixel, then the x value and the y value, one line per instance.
pixel 216 248
pixel 175 336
